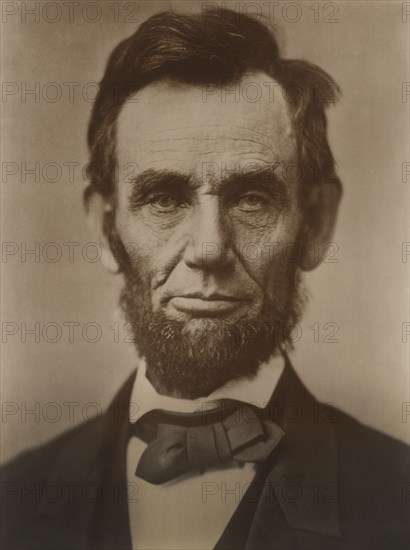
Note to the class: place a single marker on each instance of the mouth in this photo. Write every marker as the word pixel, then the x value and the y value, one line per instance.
pixel 207 305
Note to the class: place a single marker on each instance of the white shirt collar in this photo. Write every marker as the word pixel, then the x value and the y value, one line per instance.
pixel 257 391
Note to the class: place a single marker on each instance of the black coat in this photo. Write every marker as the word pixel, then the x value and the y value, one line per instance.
pixel 331 484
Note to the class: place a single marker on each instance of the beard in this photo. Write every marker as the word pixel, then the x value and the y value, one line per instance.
pixel 192 358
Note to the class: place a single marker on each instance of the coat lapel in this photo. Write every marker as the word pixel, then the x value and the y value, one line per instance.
pixel 291 503
pixel 299 501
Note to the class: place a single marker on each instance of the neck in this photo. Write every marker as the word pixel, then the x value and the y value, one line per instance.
pixel 163 389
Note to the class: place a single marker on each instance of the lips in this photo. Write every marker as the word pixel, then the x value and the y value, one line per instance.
pixel 215 296
pixel 214 304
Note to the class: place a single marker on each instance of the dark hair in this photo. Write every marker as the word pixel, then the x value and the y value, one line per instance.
pixel 216 47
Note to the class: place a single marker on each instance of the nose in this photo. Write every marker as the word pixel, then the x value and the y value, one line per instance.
pixel 209 245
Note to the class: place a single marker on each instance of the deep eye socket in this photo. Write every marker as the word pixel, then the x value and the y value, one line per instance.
pixel 164 202
pixel 251 202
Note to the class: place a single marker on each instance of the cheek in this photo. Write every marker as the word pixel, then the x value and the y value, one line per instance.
pixel 270 257
pixel 268 247
pixel 149 251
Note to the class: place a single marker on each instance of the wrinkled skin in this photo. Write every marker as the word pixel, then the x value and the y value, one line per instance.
pixel 212 221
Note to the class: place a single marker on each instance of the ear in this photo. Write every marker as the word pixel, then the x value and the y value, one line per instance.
pixel 97 210
pixel 320 219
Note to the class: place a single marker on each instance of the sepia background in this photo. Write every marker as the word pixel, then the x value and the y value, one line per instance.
pixel 362 366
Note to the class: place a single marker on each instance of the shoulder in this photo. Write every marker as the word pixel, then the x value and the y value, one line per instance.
pixel 26 481
pixel 361 446
pixel 373 482
pixel 37 462
pixel 43 474
pixel 77 444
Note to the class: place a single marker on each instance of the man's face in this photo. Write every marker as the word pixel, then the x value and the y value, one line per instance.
pixel 212 221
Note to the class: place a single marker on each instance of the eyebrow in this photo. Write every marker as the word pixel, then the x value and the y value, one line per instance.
pixel 151 181
pixel 264 178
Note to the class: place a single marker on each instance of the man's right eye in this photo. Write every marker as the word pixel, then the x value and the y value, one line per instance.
pixel 165 203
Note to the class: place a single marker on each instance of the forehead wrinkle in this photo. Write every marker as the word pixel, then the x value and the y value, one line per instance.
pixel 233 153
pixel 265 142
pixel 259 151
pixel 216 146
pixel 260 136
pixel 217 140
pixel 228 127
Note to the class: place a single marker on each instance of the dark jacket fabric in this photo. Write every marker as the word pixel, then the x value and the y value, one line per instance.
pixel 331 484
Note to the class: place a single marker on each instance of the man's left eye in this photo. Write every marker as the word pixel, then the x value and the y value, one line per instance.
pixel 251 202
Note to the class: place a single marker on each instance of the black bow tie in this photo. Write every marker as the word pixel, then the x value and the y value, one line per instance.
pixel 204 440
